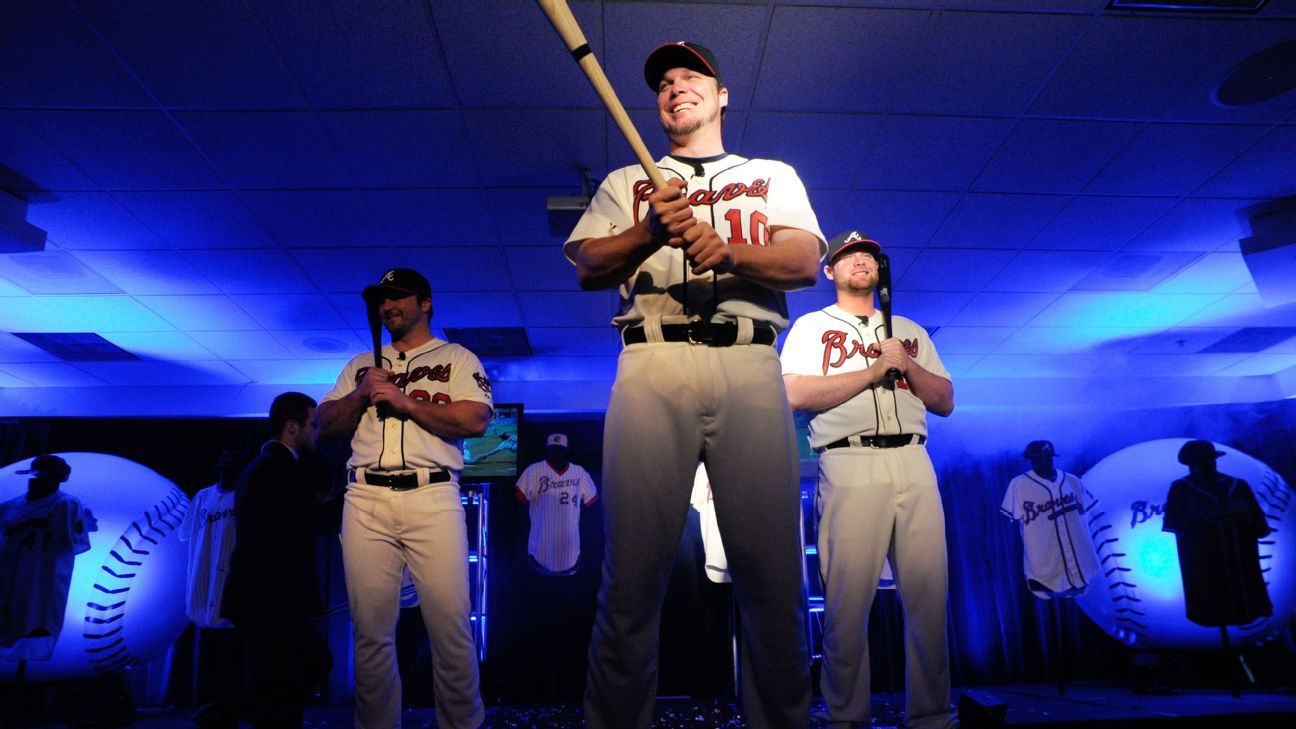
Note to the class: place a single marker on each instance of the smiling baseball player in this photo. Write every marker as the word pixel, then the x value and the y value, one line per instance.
pixel 555 489
pixel 1057 552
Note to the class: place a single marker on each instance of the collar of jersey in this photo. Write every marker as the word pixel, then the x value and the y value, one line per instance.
pixel 698 160
pixel 430 344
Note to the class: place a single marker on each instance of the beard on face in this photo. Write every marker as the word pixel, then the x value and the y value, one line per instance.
pixel 850 284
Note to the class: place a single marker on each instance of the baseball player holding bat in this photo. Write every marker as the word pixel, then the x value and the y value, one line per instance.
pixel 701 263
pixel 877 494
pixel 402 501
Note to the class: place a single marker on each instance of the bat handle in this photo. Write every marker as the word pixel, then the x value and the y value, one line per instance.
pixel 892 375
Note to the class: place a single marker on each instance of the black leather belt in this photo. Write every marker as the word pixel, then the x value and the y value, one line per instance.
pixel 701 332
pixel 399 481
pixel 876 441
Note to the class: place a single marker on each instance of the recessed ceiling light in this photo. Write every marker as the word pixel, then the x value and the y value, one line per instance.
pixel 1259 78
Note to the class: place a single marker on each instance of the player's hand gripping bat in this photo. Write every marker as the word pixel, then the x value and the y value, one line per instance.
pixel 884 303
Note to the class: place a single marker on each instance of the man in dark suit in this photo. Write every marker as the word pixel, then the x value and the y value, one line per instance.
pixel 272 595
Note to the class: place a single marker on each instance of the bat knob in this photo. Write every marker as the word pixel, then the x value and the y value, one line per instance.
pixel 892 376
pixel 385 410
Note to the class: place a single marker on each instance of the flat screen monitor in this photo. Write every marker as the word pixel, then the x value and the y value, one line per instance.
pixel 494 455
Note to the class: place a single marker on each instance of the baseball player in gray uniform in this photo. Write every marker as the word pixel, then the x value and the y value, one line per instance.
pixel 554 490
pixel 402 503
pixel 1057 551
pixel 877 494
pixel 701 267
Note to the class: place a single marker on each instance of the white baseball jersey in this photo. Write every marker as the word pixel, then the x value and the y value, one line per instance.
pixel 437 371
pixel 1057 551
pixel 833 341
pixel 208 526
pixel 555 500
pixel 38 543
pixel 742 199
pixel 716 563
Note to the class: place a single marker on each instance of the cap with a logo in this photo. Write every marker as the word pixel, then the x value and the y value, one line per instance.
pixel 400 282
pixel 557 439
pixel 1196 451
pixel 681 54
pixel 1039 448
pixel 48 464
pixel 849 240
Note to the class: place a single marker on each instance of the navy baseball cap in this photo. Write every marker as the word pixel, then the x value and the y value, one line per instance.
pixel 681 54
pixel 850 240
pixel 1039 448
pixel 401 282
pixel 229 461
pixel 1196 451
pixel 48 464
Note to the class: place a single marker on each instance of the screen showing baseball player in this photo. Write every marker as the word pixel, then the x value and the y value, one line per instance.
pixel 554 490
pixel 494 454
pixel 701 266
pixel 41 533
pixel 877 494
pixel 1057 552
pixel 402 501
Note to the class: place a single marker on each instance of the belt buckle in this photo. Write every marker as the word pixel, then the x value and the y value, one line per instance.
pixel 701 332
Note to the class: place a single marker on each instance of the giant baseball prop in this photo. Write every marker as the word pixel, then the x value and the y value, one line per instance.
pixel 126 600
pixel 1137 596
pixel 565 23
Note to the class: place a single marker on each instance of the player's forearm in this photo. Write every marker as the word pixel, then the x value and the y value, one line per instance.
pixel 791 261
pixel 603 263
pixel 816 393
pixel 936 392
pixel 462 419
pixel 340 417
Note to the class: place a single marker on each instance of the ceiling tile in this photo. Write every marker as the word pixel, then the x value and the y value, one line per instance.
pixel 1213 273
pixel 930 153
pixel 521 216
pixel 92 220
pixel 287 372
pixel 160 345
pixel 360 55
pixel 805 301
pixel 554 369
pixel 104 314
pixel 1264 170
pixel 1179 340
pixel 53 272
pixel 309 219
pixel 930 308
pixel 826 151
pixel 541 268
pixel 194 314
pixel 1193 225
pixel 243 345
pixel 1133 67
pixel 508 152
pixel 574 341
pixel 254 271
pixel 1197 102
pixel 161 373
pixel 944 269
pixel 1054 155
pixel 10 381
pixel 568 309
pixel 1259 364
pixel 496 309
pixel 14 349
pixel 1173 159
pixel 151 37
pixel 1130 271
pixel 266 149
pixel 344 270
pixel 818 66
pixel 951 340
pixel 196 219
pixel 123 149
pixel 403 148
pixel 1045 270
pixel 1036 366
pixel 291 312
pixel 1100 223
pixel 480 268
pixel 996 221
pixel 986 63
pixel 51 374
pixel 52 47
pixel 329 344
pixel 28 164
pixel 1080 341
pixel 895 218
pixel 437 217
pixel 148 272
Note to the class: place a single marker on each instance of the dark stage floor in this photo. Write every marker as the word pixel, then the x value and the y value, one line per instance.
pixel 1088 704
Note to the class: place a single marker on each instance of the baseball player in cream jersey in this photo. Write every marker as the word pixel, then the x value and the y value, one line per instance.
pixel 555 489
pixel 402 503
pixel 877 494
pixel 701 267
pixel 1057 551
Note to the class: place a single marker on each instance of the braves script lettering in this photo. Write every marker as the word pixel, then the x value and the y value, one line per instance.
pixel 1142 511
pixel 438 373
pixel 549 484
pixel 1053 508
pixel 643 189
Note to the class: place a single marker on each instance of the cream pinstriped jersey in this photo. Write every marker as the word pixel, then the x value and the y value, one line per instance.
pixel 742 199
pixel 555 501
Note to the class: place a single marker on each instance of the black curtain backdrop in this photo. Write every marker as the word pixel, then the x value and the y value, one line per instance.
pixel 538 631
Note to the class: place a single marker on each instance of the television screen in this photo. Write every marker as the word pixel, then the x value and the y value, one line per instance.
pixel 494 455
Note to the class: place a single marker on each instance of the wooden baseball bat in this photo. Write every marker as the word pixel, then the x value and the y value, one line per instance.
pixel 565 23
pixel 375 331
